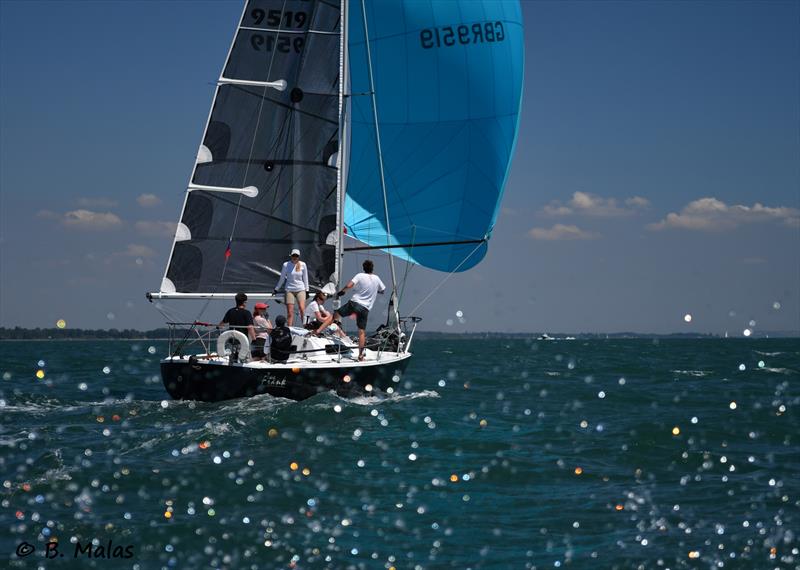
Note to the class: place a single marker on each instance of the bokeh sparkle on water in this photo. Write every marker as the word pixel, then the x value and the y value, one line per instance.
pixel 494 454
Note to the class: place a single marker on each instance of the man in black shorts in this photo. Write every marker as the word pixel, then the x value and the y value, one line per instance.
pixel 239 318
pixel 366 287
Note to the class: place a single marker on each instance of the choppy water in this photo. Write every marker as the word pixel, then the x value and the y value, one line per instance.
pixel 496 454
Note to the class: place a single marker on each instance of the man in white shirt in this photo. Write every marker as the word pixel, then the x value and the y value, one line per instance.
pixel 366 287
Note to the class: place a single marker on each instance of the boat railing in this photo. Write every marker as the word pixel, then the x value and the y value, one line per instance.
pixel 184 335
pixel 203 335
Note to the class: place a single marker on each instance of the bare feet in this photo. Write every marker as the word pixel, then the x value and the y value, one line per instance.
pixel 361 357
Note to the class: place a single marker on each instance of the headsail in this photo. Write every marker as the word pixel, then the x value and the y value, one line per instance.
pixel 448 81
pixel 265 180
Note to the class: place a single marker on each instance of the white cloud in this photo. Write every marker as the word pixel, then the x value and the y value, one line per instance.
pixel 141 255
pixel 136 250
pixel 637 202
pixel 586 204
pixel 710 214
pixel 96 202
pixel 88 220
pixel 47 215
pixel 148 200
pixel 155 228
pixel 555 209
pixel 561 232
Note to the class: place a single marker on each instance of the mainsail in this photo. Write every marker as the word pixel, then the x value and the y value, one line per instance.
pixel 265 180
pixel 448 84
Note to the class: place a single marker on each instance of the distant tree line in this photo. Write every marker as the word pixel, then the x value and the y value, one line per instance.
pixel 19 333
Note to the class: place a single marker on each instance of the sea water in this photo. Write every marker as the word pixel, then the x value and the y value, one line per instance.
pixel 492 454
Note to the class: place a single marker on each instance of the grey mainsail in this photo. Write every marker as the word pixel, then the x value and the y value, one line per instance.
pixel 265 180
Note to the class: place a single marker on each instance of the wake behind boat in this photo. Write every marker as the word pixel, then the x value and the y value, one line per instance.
pixel 390 124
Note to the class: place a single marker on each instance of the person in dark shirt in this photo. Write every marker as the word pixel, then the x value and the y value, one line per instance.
pixel 239 318
pixel 280 340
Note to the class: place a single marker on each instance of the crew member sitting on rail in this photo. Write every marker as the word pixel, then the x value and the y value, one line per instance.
pixel 239 318
pixel 318 318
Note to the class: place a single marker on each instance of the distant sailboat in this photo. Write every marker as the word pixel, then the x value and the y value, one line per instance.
pixel 389 123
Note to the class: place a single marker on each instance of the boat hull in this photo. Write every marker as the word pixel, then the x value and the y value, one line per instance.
pixel 213 382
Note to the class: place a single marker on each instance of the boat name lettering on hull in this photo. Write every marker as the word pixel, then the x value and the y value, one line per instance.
pixel 272 380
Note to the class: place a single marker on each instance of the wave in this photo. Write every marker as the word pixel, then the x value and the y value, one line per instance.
pixel 327 399
pixel 188 438
pixel 768 353
pixel 777 370
pixel 53 404
pixel 259 403
pixel 58 472
pixel 695 373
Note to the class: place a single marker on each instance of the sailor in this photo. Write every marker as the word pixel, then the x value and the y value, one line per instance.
pixel 239 318
pixel 262 327
pixel 280 340
pixel 318 318
pixel 295 275
pixel 366 287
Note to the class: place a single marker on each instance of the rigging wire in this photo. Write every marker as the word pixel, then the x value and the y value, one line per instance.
pixel 442 282
pixel 409 264
pixel 378 144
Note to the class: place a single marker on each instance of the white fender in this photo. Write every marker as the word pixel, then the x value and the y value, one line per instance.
pixel 241 338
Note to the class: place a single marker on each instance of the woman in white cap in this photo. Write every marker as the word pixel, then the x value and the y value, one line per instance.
pixel 295 275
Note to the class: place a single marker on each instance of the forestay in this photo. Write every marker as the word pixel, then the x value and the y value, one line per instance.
pixel 448 84
pixel 266 172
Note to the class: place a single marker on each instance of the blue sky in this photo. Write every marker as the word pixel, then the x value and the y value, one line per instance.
pixel 657 171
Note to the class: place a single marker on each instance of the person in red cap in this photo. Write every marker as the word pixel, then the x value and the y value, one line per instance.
pixel 263 327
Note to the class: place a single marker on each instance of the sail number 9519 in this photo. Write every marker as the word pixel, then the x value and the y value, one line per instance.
pixel 463 34
pixel 284 44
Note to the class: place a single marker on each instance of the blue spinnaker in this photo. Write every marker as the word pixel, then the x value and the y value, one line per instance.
pixel 448 84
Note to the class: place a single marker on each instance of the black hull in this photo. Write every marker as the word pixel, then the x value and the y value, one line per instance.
pixel 215 382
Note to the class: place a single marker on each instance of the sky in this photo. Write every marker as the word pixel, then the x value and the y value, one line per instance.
pixel 657 169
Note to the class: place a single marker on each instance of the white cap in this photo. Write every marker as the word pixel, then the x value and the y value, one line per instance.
pixel 295 252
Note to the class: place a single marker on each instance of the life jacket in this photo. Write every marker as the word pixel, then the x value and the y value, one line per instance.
pixel 280 343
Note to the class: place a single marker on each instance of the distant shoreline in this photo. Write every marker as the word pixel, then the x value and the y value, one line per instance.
pixel 19 333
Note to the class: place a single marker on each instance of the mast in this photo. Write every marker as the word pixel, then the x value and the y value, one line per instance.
pixel 393 314
pixel 343 155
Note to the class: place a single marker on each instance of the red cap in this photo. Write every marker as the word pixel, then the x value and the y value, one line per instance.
pixel 261 306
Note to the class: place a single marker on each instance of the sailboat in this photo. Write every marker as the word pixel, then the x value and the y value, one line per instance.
pixel 339 127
